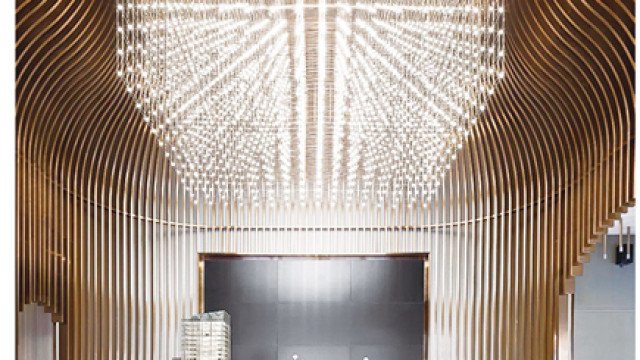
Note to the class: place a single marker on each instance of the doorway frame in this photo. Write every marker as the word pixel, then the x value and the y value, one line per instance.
pixel 424 257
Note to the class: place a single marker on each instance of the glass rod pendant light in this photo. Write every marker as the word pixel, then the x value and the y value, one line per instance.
pixel 311 102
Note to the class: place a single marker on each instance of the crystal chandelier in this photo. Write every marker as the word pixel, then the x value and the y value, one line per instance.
pixel 311 102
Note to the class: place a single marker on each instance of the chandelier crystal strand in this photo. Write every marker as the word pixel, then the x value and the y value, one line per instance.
pixel 226 87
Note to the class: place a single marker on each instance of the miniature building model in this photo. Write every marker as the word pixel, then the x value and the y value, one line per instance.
pixel 207 336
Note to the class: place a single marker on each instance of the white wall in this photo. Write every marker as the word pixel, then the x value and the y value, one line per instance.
pixel 604 308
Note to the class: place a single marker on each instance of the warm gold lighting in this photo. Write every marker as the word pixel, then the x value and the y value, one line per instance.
pixel 108 238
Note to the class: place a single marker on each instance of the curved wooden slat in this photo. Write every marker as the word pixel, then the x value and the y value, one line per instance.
pixel 107 239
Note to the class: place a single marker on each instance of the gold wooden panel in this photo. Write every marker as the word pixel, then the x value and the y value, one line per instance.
pixel 107 240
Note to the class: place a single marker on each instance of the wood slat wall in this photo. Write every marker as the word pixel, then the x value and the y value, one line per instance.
pixel 107 240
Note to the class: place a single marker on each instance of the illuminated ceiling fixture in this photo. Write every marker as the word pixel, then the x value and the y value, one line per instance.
pixel 311 102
